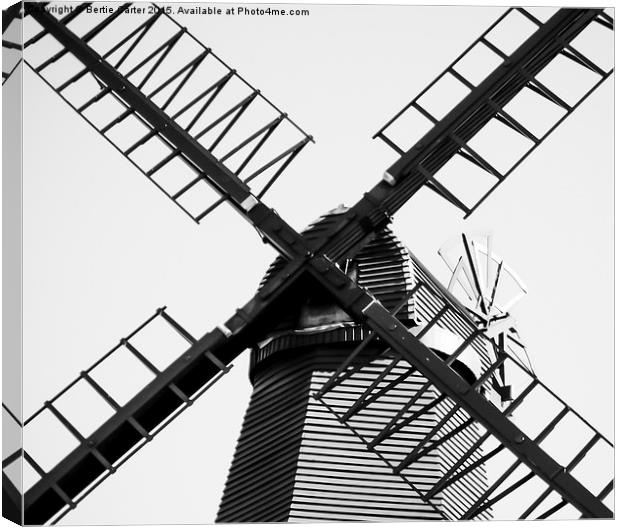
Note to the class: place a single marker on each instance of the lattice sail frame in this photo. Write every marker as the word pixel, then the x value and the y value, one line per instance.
pixel 187 81
pixel 379 415
pixel 528 86
pixel 363 219
pixel 138 356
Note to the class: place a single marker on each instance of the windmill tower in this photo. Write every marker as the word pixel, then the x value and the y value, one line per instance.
pixel 310 450
pixel 449 359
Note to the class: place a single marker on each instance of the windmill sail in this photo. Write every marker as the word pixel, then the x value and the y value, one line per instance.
pixel 95 447
pixel 527 447
pixel 186 83
pixel 61 488
pixel 495 108
pixel 451 135
pixel 172 369
pixel 378 400
pixel 538 67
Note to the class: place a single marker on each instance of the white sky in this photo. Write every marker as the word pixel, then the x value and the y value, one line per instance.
pixel 103 248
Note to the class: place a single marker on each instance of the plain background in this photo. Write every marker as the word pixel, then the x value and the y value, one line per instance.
pixel 103 248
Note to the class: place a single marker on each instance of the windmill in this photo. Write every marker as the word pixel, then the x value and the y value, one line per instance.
pixel 175 387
